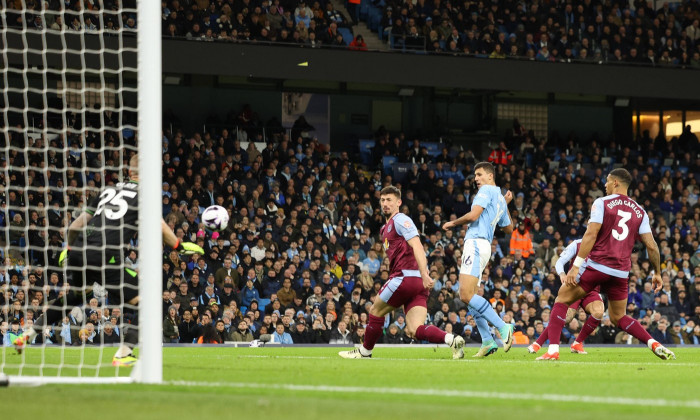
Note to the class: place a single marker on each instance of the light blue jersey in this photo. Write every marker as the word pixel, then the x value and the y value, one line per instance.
pixel 495 213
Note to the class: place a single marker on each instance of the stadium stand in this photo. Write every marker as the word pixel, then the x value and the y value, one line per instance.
pixel 304 213
pixel 578 31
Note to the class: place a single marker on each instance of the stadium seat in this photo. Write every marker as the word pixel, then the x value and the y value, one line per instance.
pixel 373 19
pixel 387 161
pixel 347 35
pixel 366 146
pixel 364 10
pixel 262 304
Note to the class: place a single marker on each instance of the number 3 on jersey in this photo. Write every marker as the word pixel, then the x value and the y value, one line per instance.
pixel 624 217
pixel 111 197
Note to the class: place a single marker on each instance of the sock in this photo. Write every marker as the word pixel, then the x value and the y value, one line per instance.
pixel 635 329
pixel 372 332
pixel 482 306
pixel 588 328
pixel 430 333
pixel 483 328
pixel 543 337
pixel 556 324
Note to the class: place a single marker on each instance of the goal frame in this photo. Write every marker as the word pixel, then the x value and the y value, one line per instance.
pixel 149 368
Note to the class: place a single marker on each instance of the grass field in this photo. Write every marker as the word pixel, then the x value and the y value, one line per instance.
pixel 421 382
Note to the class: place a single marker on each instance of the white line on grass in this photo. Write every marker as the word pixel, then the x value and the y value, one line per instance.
pixel 641 402
pixel 449 360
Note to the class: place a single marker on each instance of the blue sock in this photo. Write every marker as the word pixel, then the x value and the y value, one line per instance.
pixel 483 327
pixel 482 306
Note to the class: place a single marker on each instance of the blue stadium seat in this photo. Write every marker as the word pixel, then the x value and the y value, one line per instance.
pixel 387 161
pixel 262 304
pixel 347 35
pixel 364 10
pixel 366 146
pixel 375 16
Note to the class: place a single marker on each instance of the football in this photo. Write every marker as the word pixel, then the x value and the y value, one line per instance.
pixel 215 218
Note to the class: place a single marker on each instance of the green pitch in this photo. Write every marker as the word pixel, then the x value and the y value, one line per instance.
pixel 413 383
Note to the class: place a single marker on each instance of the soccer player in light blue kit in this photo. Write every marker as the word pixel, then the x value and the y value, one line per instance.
pixel 489 209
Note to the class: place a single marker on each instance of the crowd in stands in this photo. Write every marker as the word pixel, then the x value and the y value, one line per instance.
pixel 615 32
pixel 573 31
pixel 301 260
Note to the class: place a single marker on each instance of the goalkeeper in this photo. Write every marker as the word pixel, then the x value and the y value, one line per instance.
pixel 96 243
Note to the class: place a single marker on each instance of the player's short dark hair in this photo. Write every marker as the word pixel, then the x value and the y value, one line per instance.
pixel 391 190
pixel 486 166
pixel 622 175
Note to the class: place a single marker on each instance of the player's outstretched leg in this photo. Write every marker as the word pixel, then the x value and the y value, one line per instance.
pixel 488 344
pixel 636 330
pixel 591 324
pixel 556 324
pixel 374 330
pixel 435 335
pixel 124 357
pixel 537 345
pixel 483 307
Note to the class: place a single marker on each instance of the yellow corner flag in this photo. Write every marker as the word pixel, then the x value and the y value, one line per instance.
pixel 304 64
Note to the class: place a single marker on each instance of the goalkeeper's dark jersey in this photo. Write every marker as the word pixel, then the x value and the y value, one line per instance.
pixel 114 223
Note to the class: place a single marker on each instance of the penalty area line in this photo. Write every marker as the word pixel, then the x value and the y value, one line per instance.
pixel 641 402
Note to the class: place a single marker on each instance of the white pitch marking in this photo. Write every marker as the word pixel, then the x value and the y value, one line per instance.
pixel 642 402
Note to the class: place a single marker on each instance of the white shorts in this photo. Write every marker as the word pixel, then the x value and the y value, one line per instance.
pixel 475 257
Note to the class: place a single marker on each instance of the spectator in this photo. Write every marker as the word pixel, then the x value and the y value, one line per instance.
pixel 280 335
pixel 520 242
pixel 358 44
pixel 300 334
pixel 171 327
pixel 501 155
pixel 242 333
pixel 341 335
pixel 661 334
pixel 188 328
pixel 394 335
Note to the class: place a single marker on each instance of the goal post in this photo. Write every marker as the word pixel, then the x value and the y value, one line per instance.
pixel 150 237
pixel 80 90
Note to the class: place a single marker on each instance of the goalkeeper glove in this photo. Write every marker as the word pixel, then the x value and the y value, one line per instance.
pixel 63 256
pixel 188 248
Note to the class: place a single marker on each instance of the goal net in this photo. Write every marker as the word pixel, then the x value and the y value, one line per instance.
pixel 76 79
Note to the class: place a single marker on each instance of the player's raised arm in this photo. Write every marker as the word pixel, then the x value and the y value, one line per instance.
pixel 169 239
pixel 77 226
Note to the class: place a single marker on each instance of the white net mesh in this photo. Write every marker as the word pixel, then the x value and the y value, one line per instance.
pixel 69 103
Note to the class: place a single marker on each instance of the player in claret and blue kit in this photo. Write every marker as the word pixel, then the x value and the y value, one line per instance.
pixel 408 285
pixel 615 224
